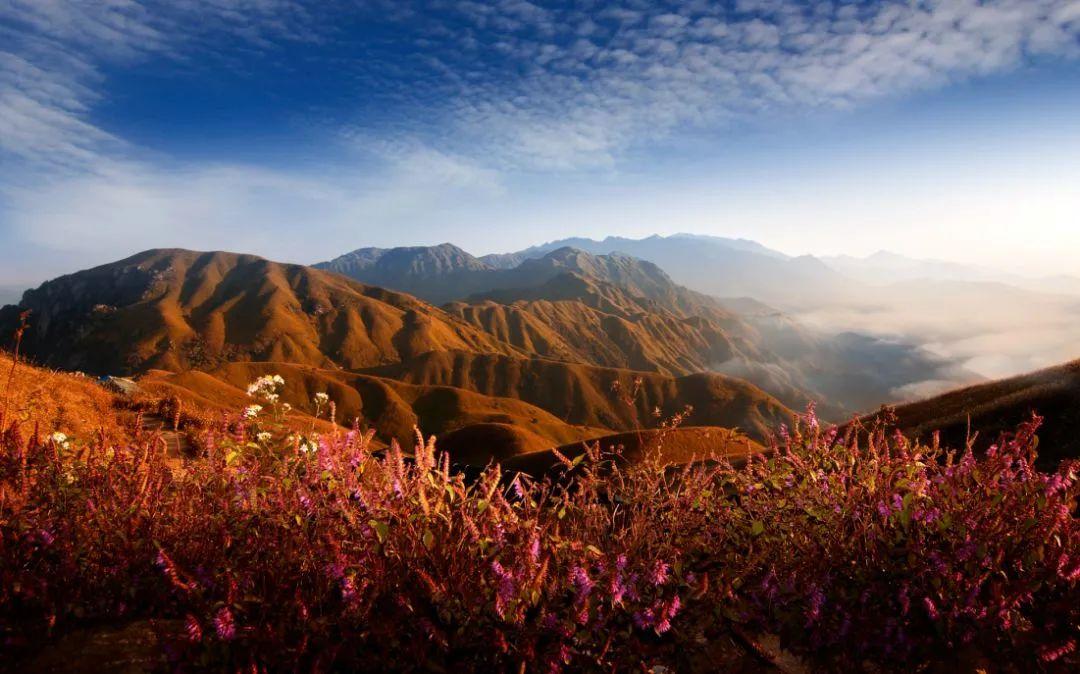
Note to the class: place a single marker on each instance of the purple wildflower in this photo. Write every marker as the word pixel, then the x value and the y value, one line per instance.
pixel 659 574
pixel 505 588
pixel 193 629
pixel 224 624
pixel 931 608
pixel 582 583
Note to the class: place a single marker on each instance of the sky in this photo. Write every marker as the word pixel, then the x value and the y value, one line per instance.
pixel 300 130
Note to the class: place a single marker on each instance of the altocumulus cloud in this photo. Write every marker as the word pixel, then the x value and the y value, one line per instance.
pixel 471 91
pixel 575 85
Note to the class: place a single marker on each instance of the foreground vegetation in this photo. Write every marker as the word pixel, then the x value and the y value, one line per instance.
pixel 271 549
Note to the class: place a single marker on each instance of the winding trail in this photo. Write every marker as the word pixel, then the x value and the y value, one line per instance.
pixel 177 445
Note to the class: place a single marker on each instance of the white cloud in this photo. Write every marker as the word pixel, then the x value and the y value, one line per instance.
pixel 497 88
pixel 53 52
pixel 527 87
pixel 647 70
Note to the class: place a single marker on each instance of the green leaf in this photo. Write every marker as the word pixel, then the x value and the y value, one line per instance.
pixel 428 538
pixel 757 528
pixel 381 529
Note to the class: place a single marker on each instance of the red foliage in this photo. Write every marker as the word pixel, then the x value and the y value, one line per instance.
pixel 317 554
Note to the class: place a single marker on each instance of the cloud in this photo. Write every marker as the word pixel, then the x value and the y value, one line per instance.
pixel 594 85
pixel 460 100
pixel 520 86
pixel 54 51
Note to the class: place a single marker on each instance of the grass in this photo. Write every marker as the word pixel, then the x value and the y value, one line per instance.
pixel 275 549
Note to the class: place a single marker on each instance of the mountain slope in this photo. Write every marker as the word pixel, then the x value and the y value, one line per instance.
pixel 618 311
pixel 721 267
pixel 178 309
pixel 437 274
pixel 583 395
pixel 999 406
pixel 573 331
pixel 392 408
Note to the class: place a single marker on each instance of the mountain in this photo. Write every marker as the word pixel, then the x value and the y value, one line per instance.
pixel 179 309
pixel 720 267
pixel 618 311
pixel 444 273
pixel 1058 283
pixel 998 406
pixel 435 273
pixel 202 325
pixel 885 267
pixel 502 260
pixel 635 277
pixel 583 395
pixel 747 245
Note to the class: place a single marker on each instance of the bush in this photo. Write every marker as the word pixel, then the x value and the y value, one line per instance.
pixel 281 552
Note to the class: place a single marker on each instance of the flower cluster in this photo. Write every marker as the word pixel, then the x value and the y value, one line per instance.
pixel 276 551
pixel 267 388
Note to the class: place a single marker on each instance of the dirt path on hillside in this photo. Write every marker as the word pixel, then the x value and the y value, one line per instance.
pixel 177 445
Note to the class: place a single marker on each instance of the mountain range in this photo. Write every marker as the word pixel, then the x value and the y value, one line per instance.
pixel 619 311
pixel 208 323
pixel 522 351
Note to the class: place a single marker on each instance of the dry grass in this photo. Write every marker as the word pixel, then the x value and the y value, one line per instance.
pixel 53 401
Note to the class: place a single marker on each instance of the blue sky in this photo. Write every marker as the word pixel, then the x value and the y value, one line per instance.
pixel 299 130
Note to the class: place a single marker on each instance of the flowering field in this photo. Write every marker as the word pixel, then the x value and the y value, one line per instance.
pixel 276 550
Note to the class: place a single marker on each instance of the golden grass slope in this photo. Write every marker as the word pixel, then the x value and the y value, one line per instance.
pixel 180 309
pixel 572 330
pixel 583 395
pixel 992 408
pixel 390 407
pixel 665 446
pixel 53 401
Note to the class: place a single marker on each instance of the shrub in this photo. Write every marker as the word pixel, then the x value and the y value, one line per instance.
pixel 274 550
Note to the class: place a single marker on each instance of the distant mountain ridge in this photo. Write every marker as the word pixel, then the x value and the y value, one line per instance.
pixel 177 309
pixel 204 324
pixel 616 310
pixel 718 266
pixel 437 274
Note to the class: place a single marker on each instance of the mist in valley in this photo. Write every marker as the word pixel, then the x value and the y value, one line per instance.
pixel 987 329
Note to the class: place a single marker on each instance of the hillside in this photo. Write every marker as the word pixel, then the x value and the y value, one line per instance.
pixel 178 309
pixel 437 274
pixel 668 447
pixel 617 311
pixel 392 408
pixel 575 319
pixel 583 395
pixel 720 267
pixel 50 401
pixel 514 405
pixel 992 408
